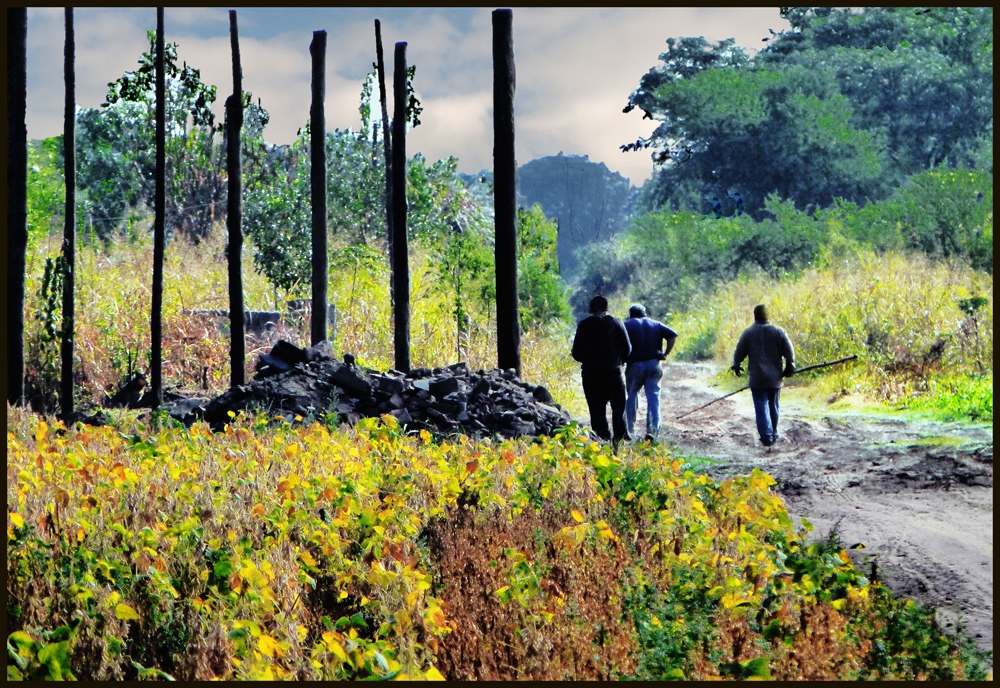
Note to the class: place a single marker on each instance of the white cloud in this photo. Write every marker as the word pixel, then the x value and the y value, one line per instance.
pixel 188 16
pixel 460 122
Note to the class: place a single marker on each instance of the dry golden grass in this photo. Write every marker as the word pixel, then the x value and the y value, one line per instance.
pixel 890 309
pixel 112 319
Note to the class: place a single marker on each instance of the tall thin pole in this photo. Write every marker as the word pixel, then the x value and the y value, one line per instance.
pixel 234 220
pixel 155 319
pixel 69 233
pixel 504 193
pixel 401 267
pixel 387 145
pixel 317 160
pixel 17 197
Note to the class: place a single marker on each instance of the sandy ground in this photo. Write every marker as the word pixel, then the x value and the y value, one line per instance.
pixel 918 495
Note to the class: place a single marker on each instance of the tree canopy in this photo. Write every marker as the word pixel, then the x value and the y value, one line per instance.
pixel 116 154
pixel 846 104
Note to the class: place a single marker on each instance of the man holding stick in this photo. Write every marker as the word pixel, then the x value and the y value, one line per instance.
pixel 765 345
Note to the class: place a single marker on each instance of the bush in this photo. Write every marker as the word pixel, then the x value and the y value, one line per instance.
pixel 540 291
pixel 902 315
pixel 371 552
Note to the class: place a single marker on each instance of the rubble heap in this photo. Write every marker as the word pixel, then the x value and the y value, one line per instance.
pixel 292 381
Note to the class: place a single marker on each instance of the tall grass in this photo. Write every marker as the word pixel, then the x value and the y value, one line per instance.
pixel 901 313
pixel 113 301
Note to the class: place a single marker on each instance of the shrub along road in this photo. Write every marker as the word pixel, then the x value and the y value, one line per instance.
pixel 917 494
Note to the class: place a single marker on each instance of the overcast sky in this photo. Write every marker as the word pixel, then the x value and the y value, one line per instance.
pixel 575 68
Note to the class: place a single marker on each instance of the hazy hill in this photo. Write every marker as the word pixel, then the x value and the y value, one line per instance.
pixel 588 201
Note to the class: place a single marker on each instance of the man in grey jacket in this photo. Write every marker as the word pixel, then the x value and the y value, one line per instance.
pixel 766 345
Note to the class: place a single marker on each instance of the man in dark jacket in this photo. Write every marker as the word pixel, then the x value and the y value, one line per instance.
pixel 642 369
pixel 601 345
pixel 766 345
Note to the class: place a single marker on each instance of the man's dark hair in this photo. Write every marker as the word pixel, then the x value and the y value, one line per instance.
pixel 636 310
pixel 598 304
pixel 760 313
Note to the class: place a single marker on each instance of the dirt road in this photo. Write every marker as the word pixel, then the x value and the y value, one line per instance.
pixel 919 496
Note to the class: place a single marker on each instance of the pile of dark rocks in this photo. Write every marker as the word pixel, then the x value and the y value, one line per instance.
pixel 292 381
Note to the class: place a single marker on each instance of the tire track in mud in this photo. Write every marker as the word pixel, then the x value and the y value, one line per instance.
pixel 918 495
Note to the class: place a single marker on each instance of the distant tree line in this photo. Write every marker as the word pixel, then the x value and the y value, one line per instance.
pixel 870 127
pixel 846 104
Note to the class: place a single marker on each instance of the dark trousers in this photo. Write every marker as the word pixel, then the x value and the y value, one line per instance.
pixel 765 407
pixel 600 386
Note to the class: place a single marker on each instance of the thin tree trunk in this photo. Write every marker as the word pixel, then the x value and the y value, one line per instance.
pixel 17 197
pixel 504 193
pixel 387 145
pixel 317 161
pixel 69 233
pixel 234 123
pixel 156 316
pixel 401 267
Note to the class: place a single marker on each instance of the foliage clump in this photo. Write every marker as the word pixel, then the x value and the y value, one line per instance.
pixel 847 104
pixel 305 553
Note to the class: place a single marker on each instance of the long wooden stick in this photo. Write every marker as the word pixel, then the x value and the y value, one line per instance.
pixel 802 370
pixel 69 233
pixel 17 197
pixel 505 193
pixel 387 148
pixel 159 209
pixel 400 249
pixel 234 213
pixel 317 180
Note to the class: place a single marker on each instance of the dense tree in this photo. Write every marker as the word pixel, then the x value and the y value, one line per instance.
pixel 942 213
pixel 117 150
pixel 542 293
pixel 45 187
pixel 278 223
pixel 665 258
pixel 845 105
pixel 921 78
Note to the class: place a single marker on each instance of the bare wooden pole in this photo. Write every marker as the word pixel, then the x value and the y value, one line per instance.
pixel 69 233
pixel 156 315
pixel 234 220
pixel 387 145
pixel 401 267
pixel 505 193
pixel 317 143
pixel 17 197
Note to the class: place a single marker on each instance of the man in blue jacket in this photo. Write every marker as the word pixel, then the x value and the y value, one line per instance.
pixel 765 344
pixel 642 368
pixel 601 345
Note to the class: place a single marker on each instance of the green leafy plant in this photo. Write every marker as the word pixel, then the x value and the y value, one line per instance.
pixel 46 660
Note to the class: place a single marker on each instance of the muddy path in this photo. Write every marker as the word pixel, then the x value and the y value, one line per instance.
pixel 918 495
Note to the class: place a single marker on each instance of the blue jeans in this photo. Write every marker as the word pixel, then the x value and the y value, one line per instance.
pixel 645 374
pixel 765 407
